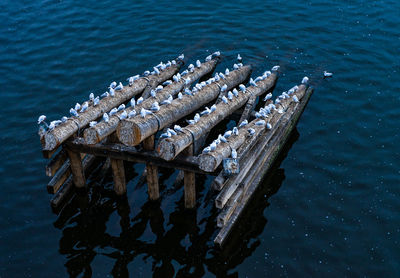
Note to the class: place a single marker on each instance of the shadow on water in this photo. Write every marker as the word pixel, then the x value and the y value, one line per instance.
pixel 187 238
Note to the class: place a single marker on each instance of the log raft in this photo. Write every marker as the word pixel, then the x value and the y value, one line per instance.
pixel 80 149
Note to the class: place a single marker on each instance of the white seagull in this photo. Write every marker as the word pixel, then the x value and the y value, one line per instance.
pixel 92 123
pixel 242 124
pixel 268 96
pixel 139 101
pixel 225 100
pixel 327 74
pixel 119 87
pixel 73 112
pixel 234 154
pixel 145 112
pixel 113 111
pixel 123 115
pixel 305 80
pixel 132 114
pixel 105 117
pixel 155 107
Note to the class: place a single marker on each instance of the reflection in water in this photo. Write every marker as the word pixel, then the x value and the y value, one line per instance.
pixel 187 238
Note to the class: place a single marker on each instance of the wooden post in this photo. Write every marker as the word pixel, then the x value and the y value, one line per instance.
pixel 152 171
pixel 133 131
pixel 78 175
pixel 118 170
pixel 189 183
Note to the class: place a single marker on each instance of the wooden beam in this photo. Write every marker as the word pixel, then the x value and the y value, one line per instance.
pixel 78 174
pixel 100 131
pixel 251 103
pixel 59 178
pixel 169 148
pixel 152 171
pixel 133 131
pixel 52 139
pixel 189 183
pixel 118 170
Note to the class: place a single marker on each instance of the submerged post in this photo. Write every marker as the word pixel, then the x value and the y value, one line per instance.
pixel 152 171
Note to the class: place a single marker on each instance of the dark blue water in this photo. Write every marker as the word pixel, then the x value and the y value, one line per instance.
pixel 330 206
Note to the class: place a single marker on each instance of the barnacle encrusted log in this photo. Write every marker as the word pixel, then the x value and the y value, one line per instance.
pixel 169 148
pixel 52 139
pixel 263 162
pixel 100 131
pixel 209 162
pixel 135 130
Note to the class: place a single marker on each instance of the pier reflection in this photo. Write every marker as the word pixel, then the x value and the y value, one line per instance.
pixel 179 236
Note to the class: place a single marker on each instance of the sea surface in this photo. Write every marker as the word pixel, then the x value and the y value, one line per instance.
pixel 330 206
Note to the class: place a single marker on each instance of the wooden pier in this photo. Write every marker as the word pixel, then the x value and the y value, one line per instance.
pixel 126 126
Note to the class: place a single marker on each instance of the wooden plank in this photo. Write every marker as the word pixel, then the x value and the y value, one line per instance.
pixel 118 170
pixel 78 174
pixel 52 139
pixel 59 178
pixel 100 131
pixel 267 158
pixel 152 171
pixel 133 131
pixel 189 183
pixel 169 148
pixel 251 103
pixel 56 163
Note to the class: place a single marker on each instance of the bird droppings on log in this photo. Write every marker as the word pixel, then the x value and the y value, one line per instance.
pixel 130 124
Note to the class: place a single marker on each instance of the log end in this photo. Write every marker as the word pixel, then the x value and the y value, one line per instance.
pixel 49 142
pixel 128 133
pixel 90 136
pixel 166 150
pixel 207 163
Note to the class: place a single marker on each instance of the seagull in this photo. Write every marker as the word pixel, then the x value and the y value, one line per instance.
pixel 258 115
pixel 41 119
pixel 260 123
pixel 77 107
pixel 239 58
pixel 184 72
pixel 205 112
pixel 92 123
pixel 106 94
pixel 188 92
pixel 234 154
pixel 213 146
pixel 228 134
pixel 119 87
pixel 180 96
pixel 268 96
pixel 198 63
pixel 123 115
pixel 145 112
pixel 199 86
pixel 225 100
pixel 305 80
pixel 327 74
pixel 269 126
pixel 165 135
pixel 132 114
pixel 217 53
pixel 96 101
pixel 292 90
pixel 213 108
pixel 113 85
pixel 227 71
pixel 167 101
pixel 235 66
pixel 146 73
pixel 91 96
pixel 121 107
pixel 153 93
pixel 175 78
pixel 235 131
pixel 159 88
pixel 181 57
pixel 235 92
pixel 177 128
pixel 84 107
pixel 295 99
pixel 251 131
pixel 222 138
pixel 139 101
pixel 166 83
pixel 191 122
pixel 242 87
pixel 206 150
pixel 258 79
pixel 64 119
pixel 275 68
pixel 112 92
pixel 242 124
pixel 173 62
pixel 132 102
pixel 52 125
pixel 224 88
pixel 155 107
pixel 156 70
pixel 168 64
pixel 171 131
pixel 208 58
pixel 221 75
pixel 113 111
pixel 73 112
pixel 132 79
pixel 190 67
pixel 163 67
pixel 277 101
pixel 267 73
pixel 253 83
pixel 230 95
pixel 105 117
pixel 216 77
pixel 196 117
pixel 187 82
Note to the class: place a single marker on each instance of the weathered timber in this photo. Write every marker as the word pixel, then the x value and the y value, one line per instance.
pixel 245 153
pixel 210 161
pixel 189 183
pixel 250 105
pixel 227 211
pixel 56 163
pixel 59 178
pixel 133 131
pixel 152 171
pixel 169 148
pixel 78 174
pixel 264 161
pixel 117 166
pixel 52 139
pixel 100 131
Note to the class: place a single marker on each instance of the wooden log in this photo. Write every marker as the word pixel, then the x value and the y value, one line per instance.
pixel 189 183
pixel 152 171
pixel 267 157
pixel 251 103
pixel 227 211
pixel 59 178
pixel 210 161
pixel 56 163
pixel 78 174
pixel 133 131
pixel 247 157
pixel 100 131
pixel 117 166
pixel 52 139
pixel 169 148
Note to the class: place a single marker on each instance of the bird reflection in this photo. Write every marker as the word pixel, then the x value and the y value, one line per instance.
pixel 178 236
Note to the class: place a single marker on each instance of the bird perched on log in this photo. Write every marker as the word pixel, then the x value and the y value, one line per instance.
pixel 235 131
pixel 222 139
pixel 191 67
pixel 180 96
pixel 235 66
pixel 199 86
pixel 275 68
pixel 96 101
pixel 53 124
pixel 168 64
pixel 188 92
pixel 198 63
pixel 269 126
pixel 239 58
pixel 184 73
pixel 119 87
pixel 242 124
pixel 268 96
pixel 173 62
pixel 64 119
pixel 213 146
pixel 233 154
pixel 121 107
pixel 235 92
pixel 123 116
pixel 133 79
pixel 242 87
pixel 91 97
pixel 217 53
pixel 171 131
pixel 305 80
pixel 228 134
pixel 293 89
pixel 222 75
pixel 113 111
pixel 224 88
pixel 206 111
pixel 156 70
pixel 73 112
pixel 77 107
pixel 253 83
pixel 166 83
pixel 327 74
pixel 155 107
pixel 159 88
pixel 258 79
pixel 208 58
pixel 226 71
pixel 251 131
pixel 112 85
pixel 191 122
pixel 42 119
pixel 153 93
pixel 84 107
pixel 177 128
pixel 146 73
pixel 181 57
pixel 106 94
pixel 196 117
pixel 165 135
pixel 132 114
pixel 132 102
pixel 213 108
pixel 176 78
pixel 139 101
pixel 216 77
pixel 295 99
pixel 206 150
pixel 230 95
pixel 92 123
pixel 105 117
pixel 112 92
pixel 224 100
pixel 167 101
pixel 144 112
pixel 260 123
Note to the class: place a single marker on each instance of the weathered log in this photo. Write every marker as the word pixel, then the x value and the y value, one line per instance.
pixel 264 161
pixel 244 152
pixel 52 139
pixel 227 211
pixel 169 148
pixel 118 170
pixel 189 183
pixel 78 174
pixel 152 171
pixel 251 103
pixel 133 131
pixel 59 178
pixel 56 163
pixel 100 131
pixel 210 161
